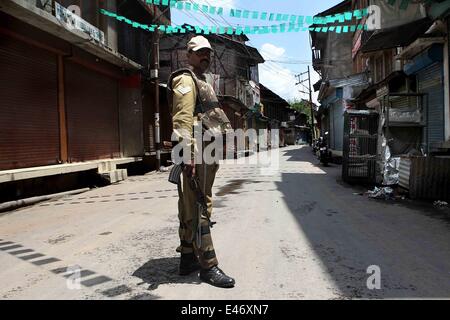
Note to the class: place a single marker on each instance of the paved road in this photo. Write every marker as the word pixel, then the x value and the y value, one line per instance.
pixel 297 234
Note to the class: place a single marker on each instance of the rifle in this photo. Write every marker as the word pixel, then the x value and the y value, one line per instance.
pixel 201 206
pixel 175 174
pixel 202 210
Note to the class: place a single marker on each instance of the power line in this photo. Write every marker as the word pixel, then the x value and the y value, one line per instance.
pixel 278 69
pixel 207 16
pixel 271 67
pixel 220 15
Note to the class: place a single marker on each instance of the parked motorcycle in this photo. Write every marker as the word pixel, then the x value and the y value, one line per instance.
pixel 324 154
pixel 315 146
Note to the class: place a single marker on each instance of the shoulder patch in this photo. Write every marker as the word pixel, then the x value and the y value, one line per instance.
pixel 184 90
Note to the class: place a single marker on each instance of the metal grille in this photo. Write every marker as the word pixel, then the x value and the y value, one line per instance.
pixel 360 147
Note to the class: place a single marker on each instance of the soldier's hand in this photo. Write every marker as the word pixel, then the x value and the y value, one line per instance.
pixel 189 169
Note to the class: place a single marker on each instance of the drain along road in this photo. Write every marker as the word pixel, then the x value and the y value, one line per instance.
pixel 297 234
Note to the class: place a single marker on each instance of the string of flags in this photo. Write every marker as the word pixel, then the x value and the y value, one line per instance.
pixel 266 16
pixel 280 28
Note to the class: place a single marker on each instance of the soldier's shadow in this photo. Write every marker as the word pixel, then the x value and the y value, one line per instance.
pixel 164 271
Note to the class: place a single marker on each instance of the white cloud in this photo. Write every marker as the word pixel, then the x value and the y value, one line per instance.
pixel 269 51
pixel 280 79
pixel 226 4
pixel 276 77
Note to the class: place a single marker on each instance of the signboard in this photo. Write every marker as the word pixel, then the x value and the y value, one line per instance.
pixel 73 21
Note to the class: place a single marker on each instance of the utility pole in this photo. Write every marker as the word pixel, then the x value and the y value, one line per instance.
pixel 154 75
pixel 311 104
pixel 300 82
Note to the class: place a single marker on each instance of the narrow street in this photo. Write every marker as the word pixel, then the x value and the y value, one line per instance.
pixel 300 234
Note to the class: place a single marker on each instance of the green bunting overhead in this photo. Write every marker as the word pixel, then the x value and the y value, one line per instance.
pixel 280 28
pixel 266 16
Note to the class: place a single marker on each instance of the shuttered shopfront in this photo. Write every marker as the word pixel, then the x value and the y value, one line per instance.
pixel 430 81
pixel 29 128
pixel 92 114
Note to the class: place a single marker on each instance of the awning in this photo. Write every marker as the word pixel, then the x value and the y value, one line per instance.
pixel 401 36
pixel 434 54
pixel 353 80
pixel 232 102
pixel 370 91
pixel 355 111
pixel 365 94
pixel 419 46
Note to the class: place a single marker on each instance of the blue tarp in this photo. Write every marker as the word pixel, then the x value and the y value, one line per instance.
pixel 434 54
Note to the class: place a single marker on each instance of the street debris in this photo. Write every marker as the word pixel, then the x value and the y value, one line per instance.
pixel 440 203
pixel 391 166
pixel 385 193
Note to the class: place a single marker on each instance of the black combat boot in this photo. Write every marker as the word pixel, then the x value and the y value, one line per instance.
pixel 216 277
pixel 188 264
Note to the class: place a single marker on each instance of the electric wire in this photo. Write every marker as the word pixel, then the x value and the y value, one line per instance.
pixel 285 73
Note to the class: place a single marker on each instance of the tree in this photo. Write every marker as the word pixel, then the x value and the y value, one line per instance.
pixel 302 106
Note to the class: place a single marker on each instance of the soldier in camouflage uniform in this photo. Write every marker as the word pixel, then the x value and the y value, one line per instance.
pixel 188 89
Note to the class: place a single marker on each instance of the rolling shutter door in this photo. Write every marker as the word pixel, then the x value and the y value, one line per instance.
pixel 29 128
pixel 430 81
pixel 92 114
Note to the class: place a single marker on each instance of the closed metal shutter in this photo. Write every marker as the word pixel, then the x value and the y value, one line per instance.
pixel 331 132
pixel 401 102
pixel 430 81
pixel 92 114
pixel 29 129
pixel 338 124
pixel 336 132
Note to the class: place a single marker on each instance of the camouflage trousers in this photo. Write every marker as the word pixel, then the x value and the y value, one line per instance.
pixel 187 211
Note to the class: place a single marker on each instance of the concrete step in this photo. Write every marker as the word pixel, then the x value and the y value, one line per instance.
pixel 106 166
pixel 114 176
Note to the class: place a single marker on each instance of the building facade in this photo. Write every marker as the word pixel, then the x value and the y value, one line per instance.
pixel 71 86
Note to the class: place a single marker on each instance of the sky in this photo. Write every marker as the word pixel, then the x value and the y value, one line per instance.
pixel 293 47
